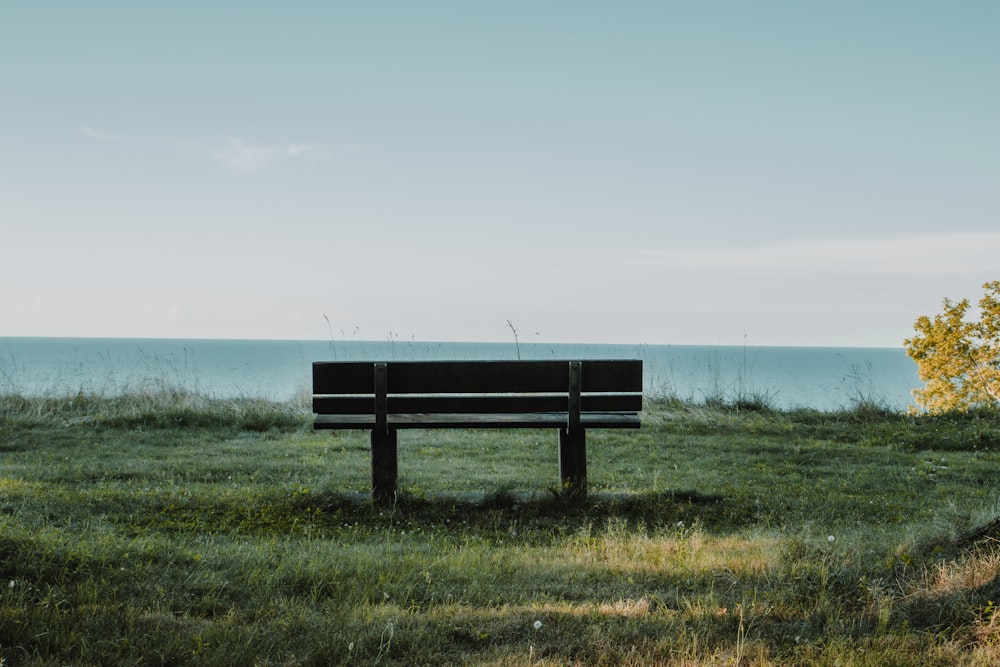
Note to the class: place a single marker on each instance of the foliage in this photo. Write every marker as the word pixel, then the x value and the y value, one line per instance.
pixel 957 358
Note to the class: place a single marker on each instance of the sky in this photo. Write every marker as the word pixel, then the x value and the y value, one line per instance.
pixel 712 172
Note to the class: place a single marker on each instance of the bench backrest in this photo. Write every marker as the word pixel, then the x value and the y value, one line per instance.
pixel 483 387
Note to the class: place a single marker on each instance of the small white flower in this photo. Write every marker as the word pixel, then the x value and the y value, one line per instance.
pixel 831 538
pixel 538 625
pixel 11 584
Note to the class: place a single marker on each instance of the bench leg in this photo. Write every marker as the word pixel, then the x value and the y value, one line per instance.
pixel 384 467
pixel 573 462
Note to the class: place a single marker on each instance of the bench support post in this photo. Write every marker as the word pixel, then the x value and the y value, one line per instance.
pixel 573 462
pixel 573 441
pixel 385 466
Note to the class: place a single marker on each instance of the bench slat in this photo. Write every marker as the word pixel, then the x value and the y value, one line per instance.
pixel 343 377
pixel 456 377
pixel 442 420
pixel 354 405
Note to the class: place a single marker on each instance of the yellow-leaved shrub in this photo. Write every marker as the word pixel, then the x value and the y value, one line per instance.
pixel 959 359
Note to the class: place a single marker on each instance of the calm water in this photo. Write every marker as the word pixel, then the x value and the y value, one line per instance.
pixel 823 378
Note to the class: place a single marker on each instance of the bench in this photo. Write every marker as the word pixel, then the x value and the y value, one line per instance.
pixel 384 397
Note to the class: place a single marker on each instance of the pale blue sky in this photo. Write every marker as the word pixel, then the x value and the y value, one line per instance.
pixel 778 173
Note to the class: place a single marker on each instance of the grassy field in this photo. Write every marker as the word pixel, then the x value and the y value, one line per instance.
pixel 175 530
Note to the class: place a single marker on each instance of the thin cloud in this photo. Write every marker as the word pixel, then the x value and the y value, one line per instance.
pixel 233 153
pixel 947 253
pixel 102 135
pixel 236 154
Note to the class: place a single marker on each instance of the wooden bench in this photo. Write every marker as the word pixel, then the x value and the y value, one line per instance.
pixel 384 397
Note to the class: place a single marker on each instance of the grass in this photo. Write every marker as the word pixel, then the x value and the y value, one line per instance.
pixel 168 529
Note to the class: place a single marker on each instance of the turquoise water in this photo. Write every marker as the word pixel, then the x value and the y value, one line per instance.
pixel 815 377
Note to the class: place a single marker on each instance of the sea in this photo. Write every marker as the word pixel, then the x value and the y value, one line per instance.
pixel 821 378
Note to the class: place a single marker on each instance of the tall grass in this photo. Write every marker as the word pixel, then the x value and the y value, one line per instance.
pixel 176 529
pixel 161 407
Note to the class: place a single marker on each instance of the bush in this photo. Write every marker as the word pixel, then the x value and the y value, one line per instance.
pixel 959 359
